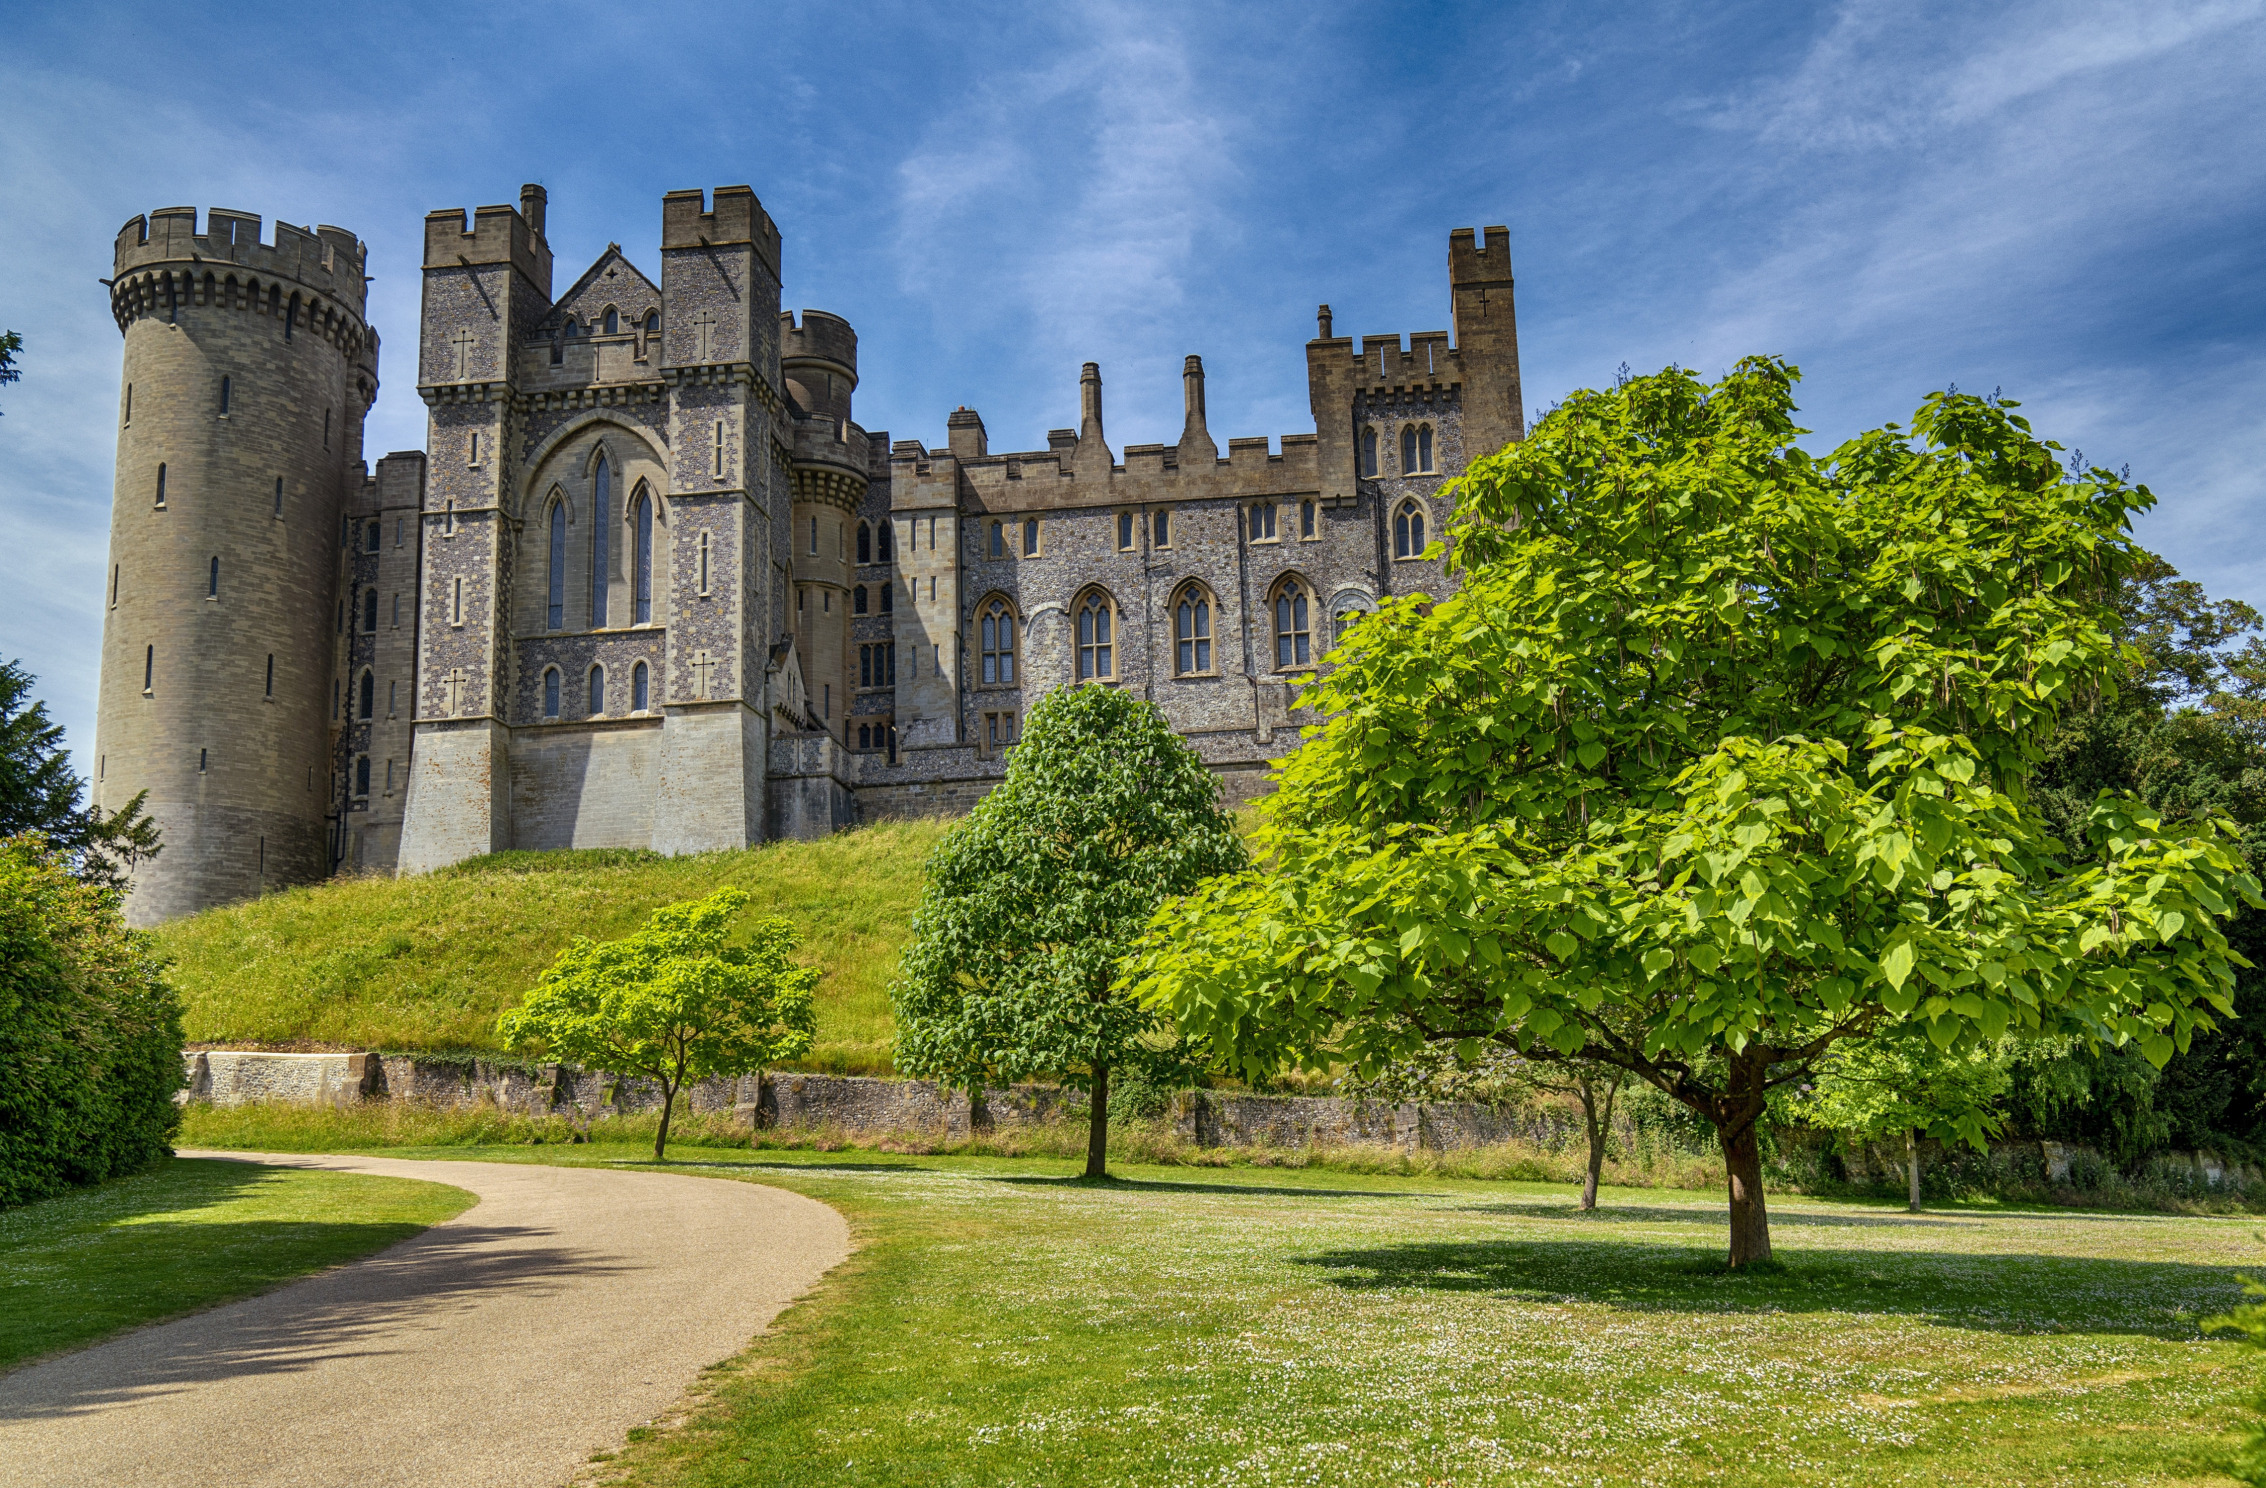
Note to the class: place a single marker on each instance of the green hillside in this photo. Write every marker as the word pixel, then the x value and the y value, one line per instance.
pixel 428 962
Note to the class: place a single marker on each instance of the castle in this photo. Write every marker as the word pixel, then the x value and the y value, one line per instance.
pixel 650 584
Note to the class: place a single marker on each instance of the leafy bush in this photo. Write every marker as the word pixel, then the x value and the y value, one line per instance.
pixel 90 1034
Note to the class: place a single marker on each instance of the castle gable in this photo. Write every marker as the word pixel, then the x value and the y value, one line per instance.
pixel 611 283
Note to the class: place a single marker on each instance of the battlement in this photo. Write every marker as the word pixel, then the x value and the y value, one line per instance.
pixel 1479 261
pixel 821 338
pixel 329 259
pixel 689 221
pixel 493 235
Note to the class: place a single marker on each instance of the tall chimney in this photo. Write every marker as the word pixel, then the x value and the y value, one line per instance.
pixel 1322 319
pixel 1192 394
pixel 1090 403
pixel 531 200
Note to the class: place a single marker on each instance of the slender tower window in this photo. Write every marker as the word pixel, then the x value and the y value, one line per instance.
pixel 201 758
pixel 1369 452
pixel 601 522
pixel 637 687
pixel 326 428
pixel 1164 529
pixel 644 563
pixel 271 674
pixel 129 418
pixel 814 537
pixel 613 321
pixel 369 694
pixel 1030 537
pixel 557 600
pixel 149 669
pixel 361 775
pixel 865 543
pixel 448 519
pixel 373 538
pixel 704 565
pixel 472 456
pixel 597 691
pixel 212 580
pixel 456 602
pixel 161 485
pixel 397 610
pixel 719 456
pixel 290 315
pixel 224 384
pixel 114 586
pixel 393 701
pixel 551 692
pixel 279 495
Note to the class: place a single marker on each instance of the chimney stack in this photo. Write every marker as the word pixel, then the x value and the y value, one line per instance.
pixel 531 201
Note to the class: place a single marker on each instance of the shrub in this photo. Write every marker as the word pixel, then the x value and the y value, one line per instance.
pixel 90 1033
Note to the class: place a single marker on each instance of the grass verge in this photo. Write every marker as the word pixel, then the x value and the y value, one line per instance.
pixel 426 963
pixel 186 1235
pixel 1005 1323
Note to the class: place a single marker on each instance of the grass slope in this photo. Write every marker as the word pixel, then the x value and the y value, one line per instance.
pixel 188 1234
pixel 1003 1323
pixel 428 962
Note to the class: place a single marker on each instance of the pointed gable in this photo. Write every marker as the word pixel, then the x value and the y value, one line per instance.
pixel 612 282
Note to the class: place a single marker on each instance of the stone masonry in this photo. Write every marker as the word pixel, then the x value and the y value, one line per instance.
pixel 652 585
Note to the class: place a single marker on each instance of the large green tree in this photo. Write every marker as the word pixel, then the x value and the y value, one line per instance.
pixel 1032 900
pixel 1718 757
pixel 39 792
pixel 675 1001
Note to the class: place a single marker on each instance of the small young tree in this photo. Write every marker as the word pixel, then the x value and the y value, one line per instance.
pixel 1905 1088
pixel 1032 900
pixel 1496 1076
pixel 673 1002
pixel 1719 757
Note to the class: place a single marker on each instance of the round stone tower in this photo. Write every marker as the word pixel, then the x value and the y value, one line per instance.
pixel 248 369
pixel 819 360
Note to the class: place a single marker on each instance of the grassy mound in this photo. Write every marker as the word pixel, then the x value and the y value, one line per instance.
pixel 427 963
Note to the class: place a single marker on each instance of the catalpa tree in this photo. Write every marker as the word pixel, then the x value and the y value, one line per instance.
pixel 1716 759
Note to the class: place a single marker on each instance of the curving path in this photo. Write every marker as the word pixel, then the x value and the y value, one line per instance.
pixel 500 1347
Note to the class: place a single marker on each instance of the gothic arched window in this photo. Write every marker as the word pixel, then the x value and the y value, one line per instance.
pixel 1192 631
pixel 865 546
pixel 369 610
pixel 601 522
pixel 369 694
pixel 1293 632
pixel 1408 530
pixel 1416 449
pixel 652 322
pixel 597 691
pixel 639 691
pixel 885 547
pixel 998 541
pixel 1369 452
pixel 613 321
pixel 550 692
pixel 1097 627
pixel 995 634
pixel 858 600
pixel 642 576
pixel 555 594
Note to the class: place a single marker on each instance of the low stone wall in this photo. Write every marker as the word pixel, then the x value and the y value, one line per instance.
pixel 230 1078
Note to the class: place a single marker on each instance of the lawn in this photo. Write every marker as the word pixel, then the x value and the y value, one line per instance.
pixel 1003 1324
pixel 189 1234
pixel 428 962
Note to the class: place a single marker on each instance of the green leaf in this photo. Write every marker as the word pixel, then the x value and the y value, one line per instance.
pixel 1896 965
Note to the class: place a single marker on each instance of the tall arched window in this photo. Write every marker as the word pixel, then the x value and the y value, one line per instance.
pixel 1369 452
pixel 555 596
pixel 858 600
pixel 1030 537
pixel 369 610
pixel 597 692
pixel 1416 449
pixel 998 541
pixel 652 322
pixel 601 522
pixel 1408 530
pixel 995 636
pixel 885 545
pixel 639 693
pixel 1293 634
pixel 642 577
pixel 224 385
pixel 1192 632
pixel 212 583
pixel 888 597
pixel 865 543
pixel 161 484
pixel 369 693
pixel 613 321
pixel 1096 637
pixel 550 692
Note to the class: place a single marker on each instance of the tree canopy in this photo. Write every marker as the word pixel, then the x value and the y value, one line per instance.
pixel 1030 902
pixel 1718 756
pixel 674 1002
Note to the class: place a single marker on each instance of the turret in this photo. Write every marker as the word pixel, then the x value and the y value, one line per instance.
pixel 248 369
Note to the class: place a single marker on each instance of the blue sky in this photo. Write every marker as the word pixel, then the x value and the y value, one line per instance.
pixel 2064 200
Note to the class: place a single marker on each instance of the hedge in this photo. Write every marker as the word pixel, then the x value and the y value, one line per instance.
pixel 90 1033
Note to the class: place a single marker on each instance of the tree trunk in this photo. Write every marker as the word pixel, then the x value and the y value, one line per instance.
pixel 1750 1220
pixel 661 1137
pixel 1097 1126
pixel 1597 1127
pixel 1912 1166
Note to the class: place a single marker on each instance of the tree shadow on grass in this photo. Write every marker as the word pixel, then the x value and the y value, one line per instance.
pixel 345 1312
pixel 1168 1185
pixel 1995 1292
pixel 1715 1216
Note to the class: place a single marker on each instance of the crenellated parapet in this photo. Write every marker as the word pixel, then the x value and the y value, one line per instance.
pixel 313 280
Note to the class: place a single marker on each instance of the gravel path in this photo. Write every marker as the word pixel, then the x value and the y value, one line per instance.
pixel 500 1347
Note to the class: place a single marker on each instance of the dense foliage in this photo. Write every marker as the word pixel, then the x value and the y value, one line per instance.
pixel 1719 756
pixel 90 1034
pixel 39 792
pixel 1031 901
pixel 673 1002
